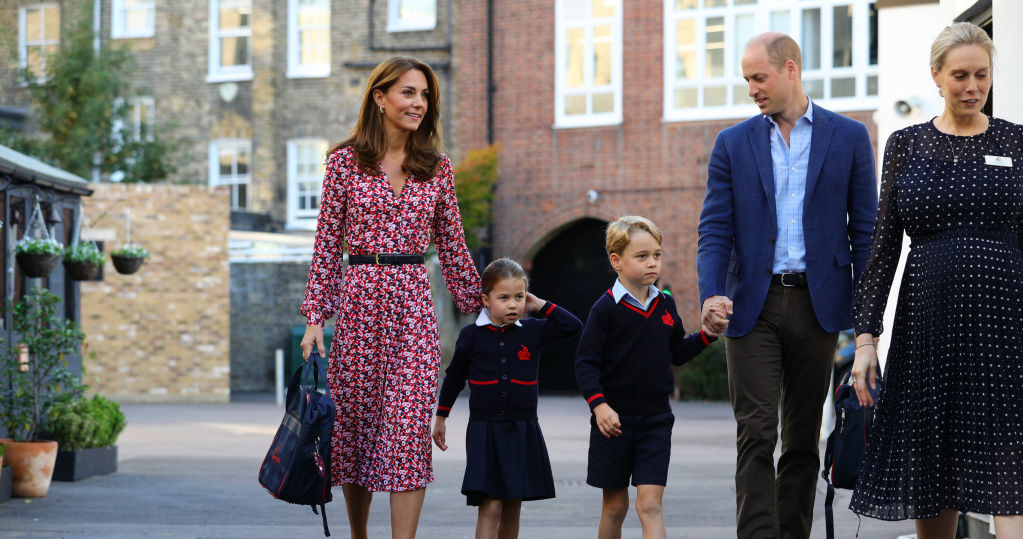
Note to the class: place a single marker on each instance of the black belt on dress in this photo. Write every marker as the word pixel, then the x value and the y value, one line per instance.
pixel 789 279
pixel 385 259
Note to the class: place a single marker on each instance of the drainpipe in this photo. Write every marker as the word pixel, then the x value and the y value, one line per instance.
pixel 491 88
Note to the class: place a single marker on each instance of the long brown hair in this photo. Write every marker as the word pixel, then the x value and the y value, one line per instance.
pixel 368 138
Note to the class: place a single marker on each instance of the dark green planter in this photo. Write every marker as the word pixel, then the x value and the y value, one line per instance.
pixel 6 479
pixel 126 265
pixel 81 463
pixel 37 265
pixel 81 271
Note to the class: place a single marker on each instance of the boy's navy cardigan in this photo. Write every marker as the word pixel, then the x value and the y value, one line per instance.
pixel 625 354
pixel 502 365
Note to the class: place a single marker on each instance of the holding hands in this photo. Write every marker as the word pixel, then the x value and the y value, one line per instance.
pixel 714 318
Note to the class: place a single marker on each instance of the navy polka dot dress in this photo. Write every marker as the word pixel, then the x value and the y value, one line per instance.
pixel 948 431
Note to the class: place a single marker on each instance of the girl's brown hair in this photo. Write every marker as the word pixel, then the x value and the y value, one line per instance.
pixel 368 138
pixel 499 270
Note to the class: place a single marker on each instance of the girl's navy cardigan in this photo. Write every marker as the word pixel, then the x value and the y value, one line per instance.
pixel 502 364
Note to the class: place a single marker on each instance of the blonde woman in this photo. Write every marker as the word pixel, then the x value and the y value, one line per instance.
pixel 388 189
pixel 948 433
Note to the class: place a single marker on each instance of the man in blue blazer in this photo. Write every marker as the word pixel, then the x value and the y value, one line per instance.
pixel 784 234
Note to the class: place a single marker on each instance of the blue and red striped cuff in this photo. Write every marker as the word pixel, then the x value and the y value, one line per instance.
pixel 443 411
pixel 595 400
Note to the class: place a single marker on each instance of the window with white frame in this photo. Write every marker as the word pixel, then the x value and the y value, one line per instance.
pixel 588 63
pixel 132 18
pixel 410 15
pixel 230 165
pixel 705 39
pixel 306 167
pixel 134 125
pixel 230 40
pixel 308 38
pixel 38 37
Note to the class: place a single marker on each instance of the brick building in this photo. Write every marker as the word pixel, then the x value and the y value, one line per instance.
pixel 605 108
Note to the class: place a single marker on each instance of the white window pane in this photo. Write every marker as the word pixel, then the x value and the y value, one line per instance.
pixel 226 166
pixel 243 162
pixel 872 85
pixel 872 10
pixel 136 21
pixel 602 56
pixel 716 3
pixel 573 10
pixel 34 60
pixel 685 98
pixel 574 58
pixel 603 8
pixel 241 197
pixel 234 51
pixel 314 47
pixel 814 88
pixel 745 29
pixel 575 104
pixel 685 4
pixel 715 32
pixel 740 94
pixel 811 45
pixel 844 87
pixel 234 17
pixel 33 25
pixel 842 36
pixel 780 21
pixel 603 103
pixel 417 10
pixel 715 96
pixel 136 3
pixel 51 22
pixel 685 65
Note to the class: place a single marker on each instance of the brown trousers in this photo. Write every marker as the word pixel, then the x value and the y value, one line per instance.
pixel 786 358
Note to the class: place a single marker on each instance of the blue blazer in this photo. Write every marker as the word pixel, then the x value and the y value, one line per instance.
pixel 739 221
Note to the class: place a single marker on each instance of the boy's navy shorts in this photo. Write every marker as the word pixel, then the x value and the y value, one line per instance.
pixel 641 451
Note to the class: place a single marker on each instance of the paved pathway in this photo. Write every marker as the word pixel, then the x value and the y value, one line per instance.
pixel 190 471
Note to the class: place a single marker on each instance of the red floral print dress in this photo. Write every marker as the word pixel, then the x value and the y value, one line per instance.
pixel 385 354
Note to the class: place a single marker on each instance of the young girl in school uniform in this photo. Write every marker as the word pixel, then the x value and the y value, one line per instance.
pixel 499 355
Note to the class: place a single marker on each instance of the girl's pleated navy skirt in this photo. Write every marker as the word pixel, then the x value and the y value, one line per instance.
pixel 506 460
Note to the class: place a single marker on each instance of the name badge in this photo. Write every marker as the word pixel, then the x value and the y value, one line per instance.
pixel 998 160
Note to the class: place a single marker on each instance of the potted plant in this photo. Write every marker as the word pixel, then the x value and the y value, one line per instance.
pixel 82 261
pixel 129 259
pixel 37 373
pixel 37 257
pixel 86 433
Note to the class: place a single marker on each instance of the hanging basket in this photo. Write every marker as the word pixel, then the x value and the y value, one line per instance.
pixel 37 265
pixel 126 265
pixel 81 270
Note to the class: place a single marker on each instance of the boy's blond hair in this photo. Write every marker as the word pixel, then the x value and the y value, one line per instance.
pixel 620 232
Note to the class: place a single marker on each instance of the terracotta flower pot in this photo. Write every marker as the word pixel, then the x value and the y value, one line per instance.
pixel 32 464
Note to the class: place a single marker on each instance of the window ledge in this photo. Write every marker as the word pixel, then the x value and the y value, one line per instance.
pixel 309 72
pixel 411 27
pixel 587 122
pixel 151 33
pixel 229 77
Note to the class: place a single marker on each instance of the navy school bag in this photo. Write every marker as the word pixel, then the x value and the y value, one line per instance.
pixel 297 468
pixel 847 444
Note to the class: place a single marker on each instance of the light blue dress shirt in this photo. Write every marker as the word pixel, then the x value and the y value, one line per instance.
pixel 790 163
pixel 618 291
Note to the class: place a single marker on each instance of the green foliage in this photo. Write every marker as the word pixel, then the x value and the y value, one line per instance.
pixel 3 449
pixel 82 104
pixel 131 250
pixel 35 246
pixel 706 376
pixel 475 177
pixel 50 338
pixel 84 252
pixel 82 423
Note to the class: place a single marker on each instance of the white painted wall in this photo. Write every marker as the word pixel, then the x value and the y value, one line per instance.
pixel 1008 71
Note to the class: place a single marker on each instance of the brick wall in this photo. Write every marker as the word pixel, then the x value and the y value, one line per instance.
pixel 161 334
pixel 643 166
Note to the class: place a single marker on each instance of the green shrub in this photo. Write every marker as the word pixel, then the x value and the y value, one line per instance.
pixel 85 423
pixel 3 448
pixel 131 250
pixel 36 246
pixel 84 252
pixel 706 376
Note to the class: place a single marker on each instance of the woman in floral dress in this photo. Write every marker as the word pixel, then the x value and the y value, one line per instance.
pixel 386 191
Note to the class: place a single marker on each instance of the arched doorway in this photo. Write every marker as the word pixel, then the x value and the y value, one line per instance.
pixel 572 271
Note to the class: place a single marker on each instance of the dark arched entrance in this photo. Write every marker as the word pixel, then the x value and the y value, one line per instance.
pixel 572 271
